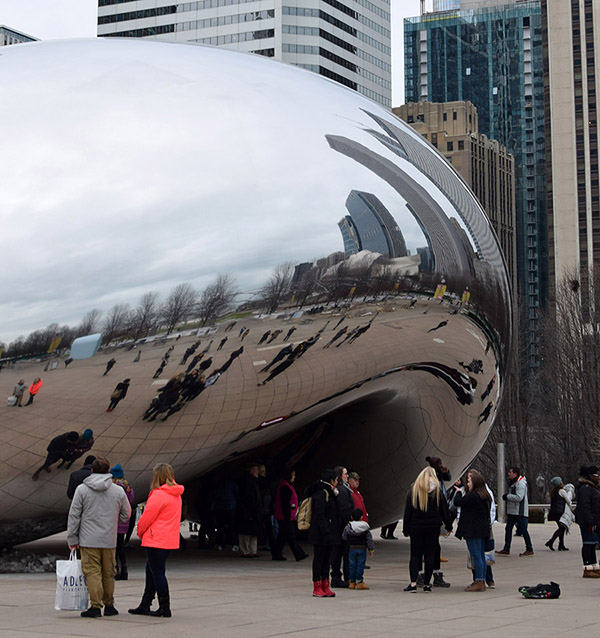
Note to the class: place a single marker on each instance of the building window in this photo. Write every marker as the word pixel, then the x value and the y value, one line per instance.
pixel 461 145
pixel 453 115
pixel 445 117
pixel 450 146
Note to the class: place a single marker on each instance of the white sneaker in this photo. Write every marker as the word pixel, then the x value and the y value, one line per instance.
pixel 235 548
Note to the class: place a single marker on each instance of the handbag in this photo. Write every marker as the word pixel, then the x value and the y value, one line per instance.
pixel 116 395
pixel 71 589
pixel 12 400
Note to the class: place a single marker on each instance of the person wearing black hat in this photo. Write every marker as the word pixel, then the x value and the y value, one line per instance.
pixel 119 393
pixel 121 559
pixel 587 516
pixel 324 531
pixel 77 476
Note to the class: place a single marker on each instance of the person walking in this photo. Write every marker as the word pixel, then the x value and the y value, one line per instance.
pixel 221 343
pixel 34 388
pixel 425 512
pixel 474 525
pixel 18 392
pixel 119 479
pixel 560 512
pixel 159 528
pixel 119 393
pixel 109 364
pixel 97 507
pixel 517 512
pixel 359 538
pixel 587 516
pixel 324 530
pixel 286 510
pixel 387 531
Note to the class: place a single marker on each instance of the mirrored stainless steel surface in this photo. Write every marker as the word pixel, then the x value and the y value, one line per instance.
pixel 130 166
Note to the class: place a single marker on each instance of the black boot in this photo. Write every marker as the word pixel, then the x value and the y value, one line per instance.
pixel 164 606
pixel 143 609
pixel 122 574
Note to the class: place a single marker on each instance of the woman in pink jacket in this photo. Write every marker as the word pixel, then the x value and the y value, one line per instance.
pixel 159 528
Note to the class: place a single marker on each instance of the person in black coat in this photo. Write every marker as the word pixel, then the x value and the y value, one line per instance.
pixel 425 512
pixel 119 393
pixel 249 512
pixel 59 448
pixel 587 516
pixel 474 525
pixel 76 478
pixel 340 551
pixel 324 531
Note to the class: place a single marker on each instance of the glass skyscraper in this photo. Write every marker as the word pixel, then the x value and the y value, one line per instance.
pixel 492 56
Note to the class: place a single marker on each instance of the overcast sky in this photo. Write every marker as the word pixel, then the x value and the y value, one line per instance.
pixel 58 19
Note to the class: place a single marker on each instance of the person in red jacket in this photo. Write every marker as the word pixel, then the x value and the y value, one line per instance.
pixel 359 501
pixel 34 388
pixel 159 528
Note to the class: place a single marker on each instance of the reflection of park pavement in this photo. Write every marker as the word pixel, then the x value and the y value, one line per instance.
pixel 218 595
pixel 204 431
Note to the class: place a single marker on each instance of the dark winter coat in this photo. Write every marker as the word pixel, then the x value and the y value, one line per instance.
pixel 324 524
pixel 345 505
pixel 557 506
pixel 587 513
pixel 416 520
pixel 249 506
pixel 76 479
pixel 474 519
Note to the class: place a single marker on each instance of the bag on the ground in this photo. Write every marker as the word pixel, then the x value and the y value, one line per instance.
pixel 541 591
pixel 12 400
pixel 304 516
pixel 71 588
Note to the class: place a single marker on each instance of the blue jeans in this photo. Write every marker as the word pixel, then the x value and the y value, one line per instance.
pixel 521 523
pixel 476 549
pixel 357 559
pixel 156 580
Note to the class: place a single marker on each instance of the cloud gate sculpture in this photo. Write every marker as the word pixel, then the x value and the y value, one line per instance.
pixel 131 166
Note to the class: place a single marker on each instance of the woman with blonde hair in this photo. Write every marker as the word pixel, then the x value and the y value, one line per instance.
pixel 159 528
pixel 425 512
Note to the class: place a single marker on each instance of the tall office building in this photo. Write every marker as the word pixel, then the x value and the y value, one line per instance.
pixel 10 36
pixel 571 65
pixel 490 53
pixel 345 40
pixel 370 226
pixel 484 164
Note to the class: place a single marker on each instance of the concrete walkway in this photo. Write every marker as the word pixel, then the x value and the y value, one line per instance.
pixel 223 596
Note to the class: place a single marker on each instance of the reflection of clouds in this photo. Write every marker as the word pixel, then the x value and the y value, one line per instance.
pixel 134 166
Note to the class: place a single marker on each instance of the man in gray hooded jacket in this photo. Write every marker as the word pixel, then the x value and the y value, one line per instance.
pixel 98 506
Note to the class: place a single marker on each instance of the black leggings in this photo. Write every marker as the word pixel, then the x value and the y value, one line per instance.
pixel 320 565
pixel 423 546
pixel 559 534
pixel 156 579
pixel 120 553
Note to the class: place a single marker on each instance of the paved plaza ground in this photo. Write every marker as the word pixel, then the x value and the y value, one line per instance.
pixel 223 596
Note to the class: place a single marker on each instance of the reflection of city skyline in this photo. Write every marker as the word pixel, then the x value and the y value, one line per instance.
pixel 370 226
pixel 448 251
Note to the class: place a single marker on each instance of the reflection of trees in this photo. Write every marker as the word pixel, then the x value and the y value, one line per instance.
pixel 217 298
pixel 90 324
pixel 142 319
pixel 178 306
pixel 278 286
pixel 115 322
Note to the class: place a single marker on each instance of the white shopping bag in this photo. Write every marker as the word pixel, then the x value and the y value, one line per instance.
pixel 71 588
pixel 12 401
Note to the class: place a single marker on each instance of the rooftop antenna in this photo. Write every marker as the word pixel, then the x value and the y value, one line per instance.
pixel 422 7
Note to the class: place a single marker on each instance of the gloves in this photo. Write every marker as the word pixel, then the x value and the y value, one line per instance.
pixel 504 497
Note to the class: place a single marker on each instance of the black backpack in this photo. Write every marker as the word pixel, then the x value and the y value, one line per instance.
pixel 541 591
